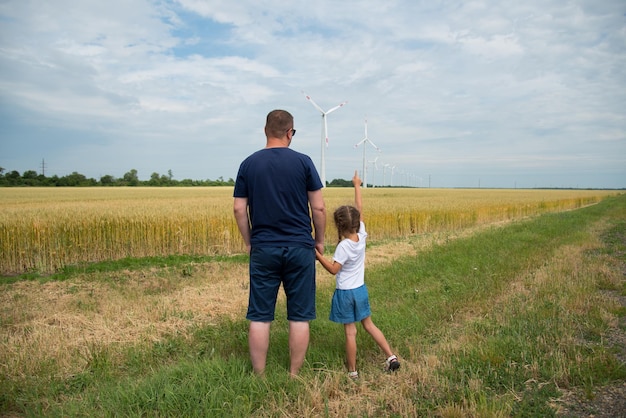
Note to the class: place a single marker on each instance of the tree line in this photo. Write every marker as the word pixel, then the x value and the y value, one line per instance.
pixel 131 178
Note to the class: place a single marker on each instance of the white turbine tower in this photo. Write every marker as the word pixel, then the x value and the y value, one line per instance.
pixel 365 141
pixel 374 164
pixel 324 133
pixel 385 173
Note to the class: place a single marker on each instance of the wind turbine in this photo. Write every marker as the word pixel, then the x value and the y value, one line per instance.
pixel 365 141
pixel 385 173
pixel 374 163
pixel 324 133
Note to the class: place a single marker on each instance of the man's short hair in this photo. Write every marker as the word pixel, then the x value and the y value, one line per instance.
pixel 278 122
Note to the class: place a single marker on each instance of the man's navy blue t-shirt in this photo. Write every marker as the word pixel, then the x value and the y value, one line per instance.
pixel 276 182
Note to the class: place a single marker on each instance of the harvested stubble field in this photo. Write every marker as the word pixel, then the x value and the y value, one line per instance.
pixel 43 230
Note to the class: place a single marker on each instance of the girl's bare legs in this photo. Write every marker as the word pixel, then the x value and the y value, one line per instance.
pixel 350 330
pixel 376 334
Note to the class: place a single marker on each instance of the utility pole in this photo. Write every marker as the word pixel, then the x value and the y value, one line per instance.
pixel 43 167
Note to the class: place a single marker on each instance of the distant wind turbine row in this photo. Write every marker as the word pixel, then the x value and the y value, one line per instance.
pixel 406 179
pixel 364 142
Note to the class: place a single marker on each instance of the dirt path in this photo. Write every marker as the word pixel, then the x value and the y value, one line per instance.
pixel 608 401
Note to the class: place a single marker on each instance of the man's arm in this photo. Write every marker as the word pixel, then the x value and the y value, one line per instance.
pixel 240 208
pixel 318 213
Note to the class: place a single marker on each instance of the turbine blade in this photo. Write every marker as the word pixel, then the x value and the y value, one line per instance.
pixel 313 103
pixel 374 145
pixel 336 107
pixel 360 142
pixel 326 131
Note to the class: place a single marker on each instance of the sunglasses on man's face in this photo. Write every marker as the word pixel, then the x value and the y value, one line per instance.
pixel 293 131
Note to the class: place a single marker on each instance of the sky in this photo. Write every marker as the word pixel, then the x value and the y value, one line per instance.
pixel 502 94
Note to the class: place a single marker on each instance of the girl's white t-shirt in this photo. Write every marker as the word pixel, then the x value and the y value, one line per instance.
pixel 351 256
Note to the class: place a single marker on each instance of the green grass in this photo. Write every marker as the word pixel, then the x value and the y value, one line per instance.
pixel 499 352
pixel 180 262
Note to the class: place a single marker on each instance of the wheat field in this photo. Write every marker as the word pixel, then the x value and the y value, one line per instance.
pixel 44 229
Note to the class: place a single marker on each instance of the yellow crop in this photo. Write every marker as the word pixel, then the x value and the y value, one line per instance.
pixel 44 229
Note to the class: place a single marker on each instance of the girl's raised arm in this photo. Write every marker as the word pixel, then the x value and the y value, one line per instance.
pixel 358 202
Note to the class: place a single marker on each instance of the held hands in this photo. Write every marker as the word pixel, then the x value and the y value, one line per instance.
pixel 318 255
pixel 356 181
pixel 330 266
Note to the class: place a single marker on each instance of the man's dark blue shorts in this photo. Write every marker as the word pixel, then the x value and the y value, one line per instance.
pixel 294 267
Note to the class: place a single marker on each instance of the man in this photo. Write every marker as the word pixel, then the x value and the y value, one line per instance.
pixel 277 191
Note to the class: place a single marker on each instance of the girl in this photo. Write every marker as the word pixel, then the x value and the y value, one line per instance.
pixel 350 302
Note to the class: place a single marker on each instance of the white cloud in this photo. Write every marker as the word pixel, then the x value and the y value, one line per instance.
pixel 444 85
pixel 497 46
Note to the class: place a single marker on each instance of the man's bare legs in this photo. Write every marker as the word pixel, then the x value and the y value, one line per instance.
pixel 298 345
pixel 259 342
